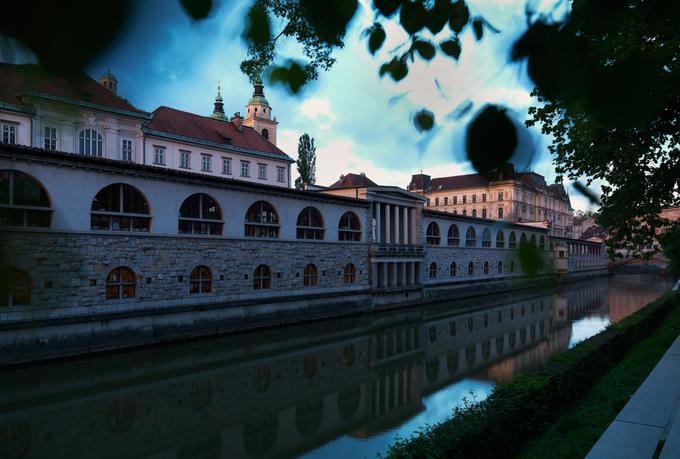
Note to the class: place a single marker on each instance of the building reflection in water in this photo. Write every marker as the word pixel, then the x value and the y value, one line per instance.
pixel 316 388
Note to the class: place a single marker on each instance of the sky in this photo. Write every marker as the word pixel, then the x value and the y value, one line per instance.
pixel 360 122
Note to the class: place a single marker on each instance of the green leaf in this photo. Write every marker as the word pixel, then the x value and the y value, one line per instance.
pixel 491 139
pixel 423 120
pixel 376 39
pixel 293 76
pixel 197 9
pixel 257 30
pixel 451 48
pixel 424 48
pixel 592 197
pixel 413 16
pixel 387 7
pixel 478 27
pixel 460 15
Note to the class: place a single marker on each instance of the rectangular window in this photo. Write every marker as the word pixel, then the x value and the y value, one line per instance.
pixel 159 155
pixel 245 168
pixel 281 174
pixel 483 213
pixel 126 150
pixel 484 197
pixel 455 199
pixel 226 166
pixel 446 200
pixel 262 171
pixel 185 159
pixel 500 195
pixel 206 163
pixel 474 198
pixel 436 201
pixel 50 138
pixel 464 199
pixel 8 133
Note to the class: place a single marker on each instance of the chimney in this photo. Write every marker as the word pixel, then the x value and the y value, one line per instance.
pixel 237 121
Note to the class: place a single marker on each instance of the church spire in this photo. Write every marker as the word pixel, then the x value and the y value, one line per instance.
pixel 218 111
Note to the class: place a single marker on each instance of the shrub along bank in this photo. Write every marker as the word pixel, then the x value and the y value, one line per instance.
pixel 520 410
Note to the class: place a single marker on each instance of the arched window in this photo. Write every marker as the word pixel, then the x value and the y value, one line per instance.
pixel 541 242
pixel 310 277
pixel 262 279
pixel 533 239
pixel 500 267
pixel 452 269
pixel 432 236
pixel 471 269
pixel 349 228
pixel 512 242
pixel 120 283
pixel 474 212
pixel 523 239
pixel 262 220
pixel 486 238
pixel 265 133
pixel 310 224
pixel 470 237
pixel 120 207
pixel 90 143
pixel 21 199
pixel 433 270
pixel 486 267
pixel 453 236
pixel 15 288
pixel 500 240
pixel 200 280
pixel 200 214
pixel 350 274
pixel 500 212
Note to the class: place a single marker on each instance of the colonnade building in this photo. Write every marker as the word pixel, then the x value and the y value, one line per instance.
pixel 102 252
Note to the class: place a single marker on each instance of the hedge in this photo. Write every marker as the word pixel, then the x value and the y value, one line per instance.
pixel 520 410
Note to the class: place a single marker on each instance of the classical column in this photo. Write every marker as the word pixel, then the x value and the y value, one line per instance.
pixel 414 233
pixel 388 224
pixel 405 224
pixel 378 237
pixel 396 225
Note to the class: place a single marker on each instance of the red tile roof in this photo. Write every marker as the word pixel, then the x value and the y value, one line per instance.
pixel 20 79
pixel 458 182
pixel 177 122
pixel 353 180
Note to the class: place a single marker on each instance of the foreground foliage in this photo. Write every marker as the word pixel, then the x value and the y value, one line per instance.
pixel 575 432
pixel 521 410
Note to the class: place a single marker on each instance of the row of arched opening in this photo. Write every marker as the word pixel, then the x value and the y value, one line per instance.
pixel 121 282
pixel 122 207
pixel 456 269
pixel 433 237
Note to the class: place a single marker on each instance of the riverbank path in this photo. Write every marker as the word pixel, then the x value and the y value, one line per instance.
pixel 650 419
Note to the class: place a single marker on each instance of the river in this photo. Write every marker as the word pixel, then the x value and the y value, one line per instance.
pixel 338 388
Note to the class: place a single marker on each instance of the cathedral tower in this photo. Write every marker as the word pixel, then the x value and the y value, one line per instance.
pixel 259 114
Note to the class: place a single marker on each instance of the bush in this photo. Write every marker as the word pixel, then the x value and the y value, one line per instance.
pixel 517 411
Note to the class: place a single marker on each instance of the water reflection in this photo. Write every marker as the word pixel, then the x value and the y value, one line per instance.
pixel 319 389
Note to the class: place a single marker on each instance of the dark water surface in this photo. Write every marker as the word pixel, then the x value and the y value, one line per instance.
pixel 340 388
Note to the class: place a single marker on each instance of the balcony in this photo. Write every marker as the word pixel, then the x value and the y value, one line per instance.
pixel 398 250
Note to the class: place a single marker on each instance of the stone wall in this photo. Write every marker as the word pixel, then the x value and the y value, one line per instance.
pixel 69 270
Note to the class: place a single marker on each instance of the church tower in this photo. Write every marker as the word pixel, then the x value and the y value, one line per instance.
pixel 218 111
pixel 259 114
pixel 109 81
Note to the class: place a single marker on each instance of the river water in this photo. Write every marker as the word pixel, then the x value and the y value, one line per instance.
pixel 338 388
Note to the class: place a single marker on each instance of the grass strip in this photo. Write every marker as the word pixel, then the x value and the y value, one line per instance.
pixel 576 430
pixel 523 409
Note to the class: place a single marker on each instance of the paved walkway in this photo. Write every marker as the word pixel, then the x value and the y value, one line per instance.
pixel 651 415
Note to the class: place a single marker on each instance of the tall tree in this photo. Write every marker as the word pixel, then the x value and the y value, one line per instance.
pixel 306 162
